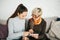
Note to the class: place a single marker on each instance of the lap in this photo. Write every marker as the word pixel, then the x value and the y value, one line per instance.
pixel 44 38
pixel 18 39
pixel 31 38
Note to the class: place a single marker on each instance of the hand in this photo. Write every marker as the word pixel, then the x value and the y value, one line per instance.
pixel 31 31
pixel 34 35
pixel 25 38
pixel 25 33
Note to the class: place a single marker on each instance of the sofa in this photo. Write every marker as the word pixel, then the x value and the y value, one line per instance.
pixel 52 28
pixel 49 21
pixel 3 30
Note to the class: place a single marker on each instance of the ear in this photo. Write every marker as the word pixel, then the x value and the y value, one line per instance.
pixel 18 14
pixel 41 13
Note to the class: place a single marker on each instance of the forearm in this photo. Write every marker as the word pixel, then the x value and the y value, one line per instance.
pixel 15 35
pixel 41 36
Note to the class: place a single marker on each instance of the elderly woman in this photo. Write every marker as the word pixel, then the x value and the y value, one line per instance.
pixel 36 26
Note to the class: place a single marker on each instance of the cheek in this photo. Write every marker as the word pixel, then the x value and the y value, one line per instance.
pixel 23 16
pixel 20 16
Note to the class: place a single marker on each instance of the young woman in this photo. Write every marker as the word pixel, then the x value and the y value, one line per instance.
pixel 37 26
pixel 16 23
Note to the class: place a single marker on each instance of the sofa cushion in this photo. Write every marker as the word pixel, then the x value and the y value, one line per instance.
pixel 48 21
pixel 3 22
pixel 55 29
pixel 58 19
pixel 3 31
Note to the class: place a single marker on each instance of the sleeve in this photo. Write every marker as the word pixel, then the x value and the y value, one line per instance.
pixel 42 34
pixel 13 35
pixel 28 26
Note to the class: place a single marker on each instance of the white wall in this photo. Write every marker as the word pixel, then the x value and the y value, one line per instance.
pixel 50 7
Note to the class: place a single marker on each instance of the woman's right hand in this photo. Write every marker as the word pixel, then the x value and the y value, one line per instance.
pixel 25 34
pixel 31 31
pixel 25 38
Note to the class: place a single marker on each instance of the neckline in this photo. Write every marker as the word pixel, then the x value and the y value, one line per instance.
pixel 19 18
pixel 39 22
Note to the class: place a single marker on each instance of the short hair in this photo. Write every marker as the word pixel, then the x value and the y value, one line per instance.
pixel 36 11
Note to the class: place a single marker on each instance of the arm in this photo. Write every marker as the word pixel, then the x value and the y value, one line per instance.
pixel 30 26
pixel 27 26
pixel 42 34
pixel 13 35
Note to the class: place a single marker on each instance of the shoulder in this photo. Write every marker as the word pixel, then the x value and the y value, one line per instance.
pixel 31 19
pixel 11 20
pixel 43 21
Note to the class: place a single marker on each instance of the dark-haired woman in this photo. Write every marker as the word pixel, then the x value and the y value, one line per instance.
pixel 16 23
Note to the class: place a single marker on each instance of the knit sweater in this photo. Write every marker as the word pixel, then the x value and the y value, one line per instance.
pixel 16 27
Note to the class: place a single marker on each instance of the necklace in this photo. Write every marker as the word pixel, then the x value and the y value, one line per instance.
pixel 37 22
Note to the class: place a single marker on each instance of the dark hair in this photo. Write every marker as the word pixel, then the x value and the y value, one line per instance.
pixel 20 9
pixel 39 9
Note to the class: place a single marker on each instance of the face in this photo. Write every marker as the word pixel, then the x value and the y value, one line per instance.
pixel 35 17
pixel 22 15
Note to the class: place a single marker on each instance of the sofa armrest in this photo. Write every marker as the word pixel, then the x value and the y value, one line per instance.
pixel 3 31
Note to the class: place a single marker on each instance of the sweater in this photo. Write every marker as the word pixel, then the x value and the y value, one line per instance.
pixel 16 27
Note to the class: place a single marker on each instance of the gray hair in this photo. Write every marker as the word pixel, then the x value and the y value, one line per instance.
pixel 37 11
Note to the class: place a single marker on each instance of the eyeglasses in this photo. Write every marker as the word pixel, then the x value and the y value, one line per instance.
pixel 35 16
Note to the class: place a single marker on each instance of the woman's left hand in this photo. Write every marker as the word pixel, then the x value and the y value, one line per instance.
pixel 25 38
pixel 31 31
pixel 25 33
pixel 34 35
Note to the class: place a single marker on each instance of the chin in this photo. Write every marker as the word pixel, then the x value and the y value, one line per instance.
pixel 22 18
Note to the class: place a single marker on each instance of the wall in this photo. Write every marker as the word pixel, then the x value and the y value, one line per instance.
pixel 50 7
